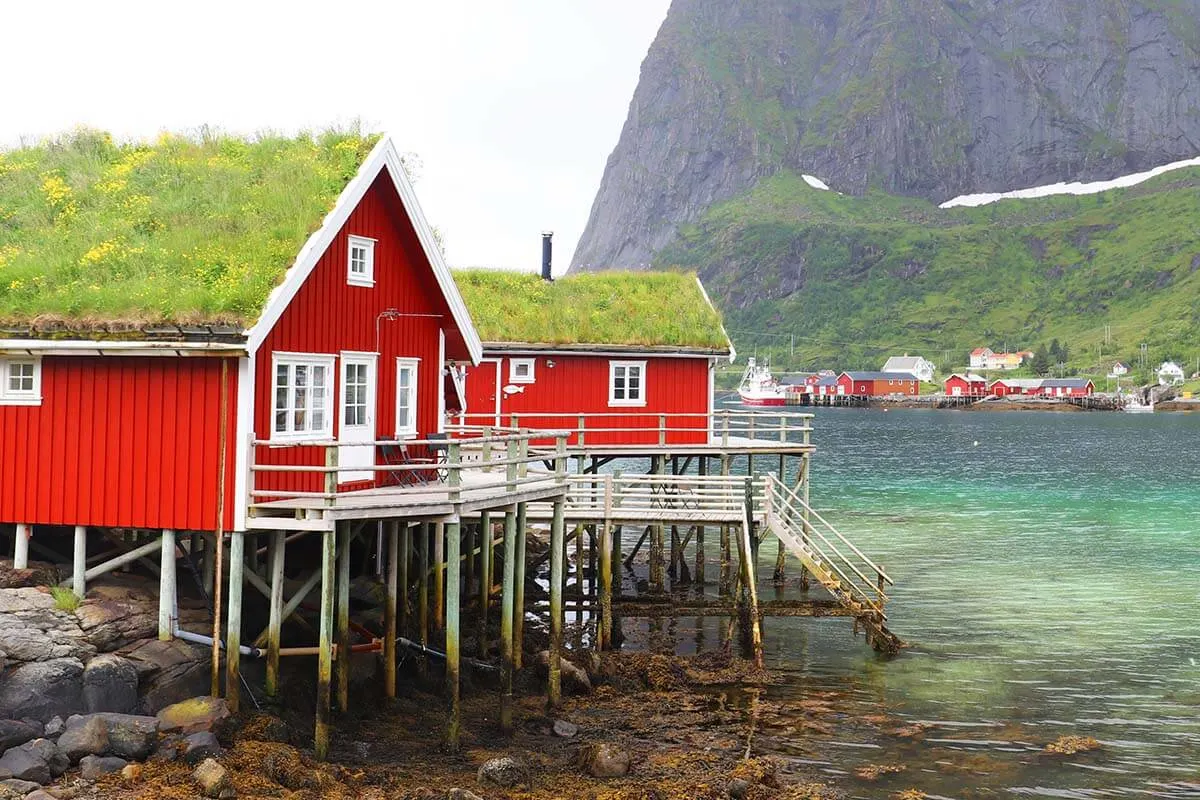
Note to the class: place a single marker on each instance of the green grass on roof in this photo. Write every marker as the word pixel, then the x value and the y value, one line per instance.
pixel 614 308
pixel 184 229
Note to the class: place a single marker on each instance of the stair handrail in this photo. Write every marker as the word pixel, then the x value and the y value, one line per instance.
pixel 874 567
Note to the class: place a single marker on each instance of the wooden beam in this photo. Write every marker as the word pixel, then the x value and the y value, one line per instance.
pixel 343 618
pixel 453 643
pixel 325 647
pixel 233 625
pixel 557 558
pixel 389 609
pixel 276 551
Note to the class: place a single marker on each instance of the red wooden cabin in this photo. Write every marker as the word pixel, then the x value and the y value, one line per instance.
pixel 877 384
pixel 153 429
pixel 614 376
pixel 1067 387
pixel 1015 387
pixel 969 385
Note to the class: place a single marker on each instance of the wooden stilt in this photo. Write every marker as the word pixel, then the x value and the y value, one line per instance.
pixel 657 579
pixel 557 556
pixel 519 589
pixel 166 588
pixel 802 478
pixel 698 572
pixel 439 576
pixel 21 547
pixel 276 552
pixel 389 609
pixel 325 647
pixel 725 554
pixel 343 618
pixel 423 586
pixel 405 558
pixel 233 627
pixel 605 586
pixel 746 558
pixel 507 603
pixel 453 593
pixel 79 573
pixel 485 578
pixel 468 532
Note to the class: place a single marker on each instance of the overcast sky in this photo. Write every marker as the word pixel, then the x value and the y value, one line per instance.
pixel 512 106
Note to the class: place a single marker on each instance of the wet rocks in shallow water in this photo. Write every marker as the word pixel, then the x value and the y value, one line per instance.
pixel 87 737
pixel 605 761
pixel 872 772
pixel 213 780
pixel 110 683
pixel 92 767
pixel 505 772
pixel 1070 745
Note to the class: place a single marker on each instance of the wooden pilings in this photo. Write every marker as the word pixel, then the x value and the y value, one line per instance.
pixel 506 621
pixel 278 546
pixel 233 625
pixel 342 635
pixel 557 556
pixel 167 588
pixel 21 546
pixel 519 588
pixel 79 567
pixel 325 646
pixel 485 578
pixel 453 593
pixel 389 609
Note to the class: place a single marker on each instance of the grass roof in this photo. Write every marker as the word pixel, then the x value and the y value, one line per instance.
pixel 186 229
pixel 662 309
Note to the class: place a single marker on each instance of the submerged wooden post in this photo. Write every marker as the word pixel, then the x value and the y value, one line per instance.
pixel 439 575
pixel 325 646
pixel 78 576
pixel 21 547
pixel 389 609
pixel 519 589
pixel 557 556
pixel 233 627
pixel 453 592
pixel 166 588
pixel 485 577
pixel 343 617
pixel 506 621
pixel 275 618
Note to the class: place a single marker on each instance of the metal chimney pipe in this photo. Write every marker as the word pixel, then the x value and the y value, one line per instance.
pixel 547 250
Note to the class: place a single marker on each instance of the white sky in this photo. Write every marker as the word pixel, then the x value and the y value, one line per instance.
pixel 511 106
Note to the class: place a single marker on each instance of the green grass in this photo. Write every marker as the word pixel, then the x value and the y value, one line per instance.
pixel 616 308
pixel 186 229
pixel 855 279
pixel 64 598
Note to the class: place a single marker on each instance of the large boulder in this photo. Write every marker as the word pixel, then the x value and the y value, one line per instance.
pixel 113 617
pixel 33 629
pixel 110 683
pixel 38 573
pixel 14 732
pixel 168 672
pixel 42 690
pixel 38 761
pixel 192 716
pixel 130 736
pixel 87 737
pixel 92 767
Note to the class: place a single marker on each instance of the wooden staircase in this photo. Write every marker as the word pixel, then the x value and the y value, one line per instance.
pixel 832 560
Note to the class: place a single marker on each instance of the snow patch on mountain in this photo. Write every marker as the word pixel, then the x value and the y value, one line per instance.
pixel 816 183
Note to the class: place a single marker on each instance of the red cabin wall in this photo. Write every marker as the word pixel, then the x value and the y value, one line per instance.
pixel 122 442
pixel 578 385
pixel 877 388
pixel 328 316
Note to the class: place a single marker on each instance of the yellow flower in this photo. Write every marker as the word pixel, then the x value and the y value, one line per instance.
pixel 57 192
pixel 100 252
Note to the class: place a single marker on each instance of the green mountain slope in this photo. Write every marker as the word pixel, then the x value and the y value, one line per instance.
pixel 849 279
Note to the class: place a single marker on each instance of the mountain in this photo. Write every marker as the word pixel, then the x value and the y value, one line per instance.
pixel 913 98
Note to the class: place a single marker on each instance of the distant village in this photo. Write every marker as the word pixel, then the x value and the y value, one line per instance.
pixel 904 376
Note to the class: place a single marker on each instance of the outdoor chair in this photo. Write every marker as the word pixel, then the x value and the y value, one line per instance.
pixel 400 454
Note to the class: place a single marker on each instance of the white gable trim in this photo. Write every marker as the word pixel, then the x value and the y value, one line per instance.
pixel 383 157
pixel 707 299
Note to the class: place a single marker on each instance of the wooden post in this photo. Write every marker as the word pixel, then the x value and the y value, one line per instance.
pixel 519 589
pixel 725 555
pixel 78 576
pixel 210 563
pixel 166 588
pixel 423 586
pixel 343 617
pixel 233 627
pixel 557 555
pixel 657 579
pixel 405 558
pixel 485 578
pixel 802 478
pixel 506 621
pixel 468 532
pixel 453 643
pixel 325 647
pixel 439 575
pixel 21 547
pixel 606 565
pixel 275 613
pixel 389 609
pixel 745 556
pixel 698 575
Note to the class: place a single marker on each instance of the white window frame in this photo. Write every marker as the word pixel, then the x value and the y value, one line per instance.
pixel 293 360
pixel 25 397
pixel 409 430
pixel 351 358
pixel 367 276
pixel 613 366
pixel 514 376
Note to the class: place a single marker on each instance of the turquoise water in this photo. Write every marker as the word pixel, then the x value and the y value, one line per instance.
pixel 1048 580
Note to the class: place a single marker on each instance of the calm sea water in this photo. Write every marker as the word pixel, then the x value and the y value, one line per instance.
pixel 1048 580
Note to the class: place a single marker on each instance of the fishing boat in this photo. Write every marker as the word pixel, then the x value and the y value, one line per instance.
pixel 1134 404
pixel 759 387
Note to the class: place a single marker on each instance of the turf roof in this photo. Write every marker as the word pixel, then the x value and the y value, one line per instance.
pixel 657 309
pixel 184 230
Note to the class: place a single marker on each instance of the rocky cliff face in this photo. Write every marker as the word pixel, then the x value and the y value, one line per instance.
pixel 928 98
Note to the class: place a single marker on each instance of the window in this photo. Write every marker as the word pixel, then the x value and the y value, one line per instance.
pixel 520 370
pixel 302 398
pixel 361 268
pixel 21 382
pixel 627 383
pixel 406 396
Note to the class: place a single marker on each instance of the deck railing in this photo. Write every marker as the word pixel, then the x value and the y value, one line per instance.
pixel 495 457
pixel 637 427
pixel 607 495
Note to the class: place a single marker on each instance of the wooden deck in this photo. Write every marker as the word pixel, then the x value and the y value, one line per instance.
pixel 715 448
